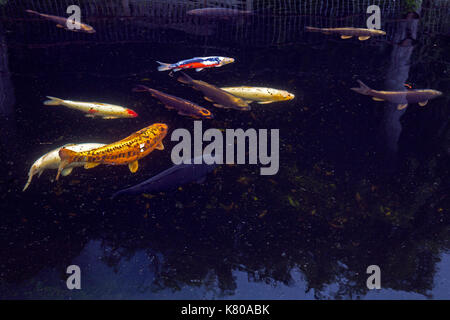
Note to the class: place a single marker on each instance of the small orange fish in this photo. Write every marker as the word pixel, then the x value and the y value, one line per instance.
pixel 124 152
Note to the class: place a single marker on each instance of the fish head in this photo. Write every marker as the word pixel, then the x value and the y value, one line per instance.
pixel 435 93
pixel 130 113
pixel 287 95
pixel 87 28
pixel 161 128
pixel 225 60
pixel 206 114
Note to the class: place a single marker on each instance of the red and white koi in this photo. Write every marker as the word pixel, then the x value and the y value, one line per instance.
pixel 197 63
pixel 94 109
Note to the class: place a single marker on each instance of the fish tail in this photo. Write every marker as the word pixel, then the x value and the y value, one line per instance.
pixel 184 78
pixel 118 193
pixel 53 101
pixel 31 173
pixel 32 12
pixel 313 29
pixel 164 66
pixel 363 89
pixel 67 156
pixel 140 88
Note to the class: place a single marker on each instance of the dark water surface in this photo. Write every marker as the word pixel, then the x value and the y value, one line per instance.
pixel 360 183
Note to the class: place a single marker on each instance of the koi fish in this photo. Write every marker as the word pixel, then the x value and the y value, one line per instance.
pixel 197 63
pixel 62 22
pixel 51 160
pixel 220 98
pixel 348 32
pixel 124 152
pixel 173 177
pixel 94 109
pixel 259 94
pixel 219 13
pixel 401 98
pixel 184 107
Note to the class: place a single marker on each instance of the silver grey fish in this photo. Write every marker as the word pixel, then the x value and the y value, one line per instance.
pixel 401 98
pixel 173 177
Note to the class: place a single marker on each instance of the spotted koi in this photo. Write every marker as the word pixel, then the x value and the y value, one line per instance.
pixel 124 152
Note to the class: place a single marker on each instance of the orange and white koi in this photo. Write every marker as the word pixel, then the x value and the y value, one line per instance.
pixel 94 109
pixel 51 160
pixel 124 152
pixel 197 63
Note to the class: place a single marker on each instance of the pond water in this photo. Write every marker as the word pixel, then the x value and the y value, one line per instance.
pixel 360 183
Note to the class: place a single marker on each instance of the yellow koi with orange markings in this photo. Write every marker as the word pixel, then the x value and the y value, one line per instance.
pixel 124 152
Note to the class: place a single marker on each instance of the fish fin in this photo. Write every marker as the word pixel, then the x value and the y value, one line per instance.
pixel 262 102
pixel 362 38
pixel 177 69
pixel 164 66
pixel 377 99
pixel 140 88
pixel 248 101
pixel 207 99
pixel 181 113
pixel 133 166
pixel 60 26
pixel 423 103
pixel 402 106
pixel 66 171
pixel 184 78
pixel 110 117
pixel 363 89
pixel 40 173
pixel 199 69
pixel 67 157
pixel 90 165
pixel 345 37
pixel 220 106
pixel 53 101
pixel 169 107
pixel 89 116
pixel 160 146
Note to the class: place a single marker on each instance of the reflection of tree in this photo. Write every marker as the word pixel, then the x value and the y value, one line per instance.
pixel 330 235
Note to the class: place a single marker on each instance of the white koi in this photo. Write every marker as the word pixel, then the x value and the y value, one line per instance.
pixel 51 160
pixel 94 109
pixel 261 95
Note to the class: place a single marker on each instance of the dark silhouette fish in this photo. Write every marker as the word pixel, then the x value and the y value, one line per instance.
pixel 61 22
pixel 348 32
pixel 220 98
pixel 173 177
pixel 401 98
pixel 219 13
pixel 184 107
